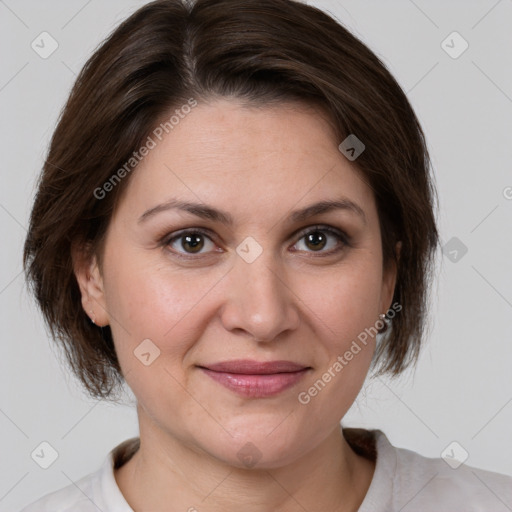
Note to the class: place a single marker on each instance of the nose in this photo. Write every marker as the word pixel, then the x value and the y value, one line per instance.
pixel 259 300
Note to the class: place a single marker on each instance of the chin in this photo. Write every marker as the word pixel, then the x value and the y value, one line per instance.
pixel 268 445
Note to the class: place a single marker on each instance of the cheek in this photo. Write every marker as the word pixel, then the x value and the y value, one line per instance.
pixel 148 301
pixel 346 301
pixel 344 307
pixel 345 310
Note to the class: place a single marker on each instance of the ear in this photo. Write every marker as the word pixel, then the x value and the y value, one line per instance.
pixel 389 280
pixel 90 282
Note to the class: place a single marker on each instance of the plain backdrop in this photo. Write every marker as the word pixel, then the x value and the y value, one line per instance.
pixel 462 387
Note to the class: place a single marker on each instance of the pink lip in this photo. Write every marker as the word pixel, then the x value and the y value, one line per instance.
pixel 256 379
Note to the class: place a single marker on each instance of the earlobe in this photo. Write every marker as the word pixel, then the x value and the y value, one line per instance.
pixel 90 282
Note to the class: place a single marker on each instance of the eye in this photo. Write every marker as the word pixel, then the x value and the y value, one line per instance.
pixel 190 242
pixel 318 238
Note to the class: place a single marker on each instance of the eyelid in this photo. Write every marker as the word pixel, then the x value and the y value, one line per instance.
pixel 321 227
pixel 171 237
pixel 297 236
pixel 344 239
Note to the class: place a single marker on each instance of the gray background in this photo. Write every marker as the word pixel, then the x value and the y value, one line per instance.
pixel 462 388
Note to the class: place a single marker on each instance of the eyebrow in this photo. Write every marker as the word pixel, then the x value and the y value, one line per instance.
pixel 207 212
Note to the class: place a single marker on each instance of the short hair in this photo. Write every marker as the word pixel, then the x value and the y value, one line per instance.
pixel 261 52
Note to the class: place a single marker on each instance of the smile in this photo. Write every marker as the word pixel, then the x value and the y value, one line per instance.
pixel 254 379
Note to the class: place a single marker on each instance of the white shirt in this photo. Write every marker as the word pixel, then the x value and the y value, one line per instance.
pixel 403 481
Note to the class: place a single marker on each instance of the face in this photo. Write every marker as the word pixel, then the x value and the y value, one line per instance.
pixel 215 255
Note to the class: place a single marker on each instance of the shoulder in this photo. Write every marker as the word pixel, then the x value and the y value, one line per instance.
pixel 97 491
pixel 407 481
pixel 423 483
pixel 72 498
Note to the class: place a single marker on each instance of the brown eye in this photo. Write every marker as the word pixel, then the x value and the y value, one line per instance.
pixel 194 242
pixel 191 242
pixel 320 238
pixel 316 240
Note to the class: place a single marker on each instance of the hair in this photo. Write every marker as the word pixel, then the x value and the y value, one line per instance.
pixel 261 52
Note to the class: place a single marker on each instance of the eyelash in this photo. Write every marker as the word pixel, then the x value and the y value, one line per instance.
pixel 341 237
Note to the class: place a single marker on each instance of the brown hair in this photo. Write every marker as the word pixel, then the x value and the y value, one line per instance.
pixel 261 52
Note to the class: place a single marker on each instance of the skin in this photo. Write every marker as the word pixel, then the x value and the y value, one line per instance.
pixel 295 302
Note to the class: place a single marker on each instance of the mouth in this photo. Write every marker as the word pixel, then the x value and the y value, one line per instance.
pixel 255 379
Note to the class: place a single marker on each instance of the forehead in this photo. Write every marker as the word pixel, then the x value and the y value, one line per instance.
pixel 249 158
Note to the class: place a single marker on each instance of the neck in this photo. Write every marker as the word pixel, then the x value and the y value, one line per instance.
pixel 166 471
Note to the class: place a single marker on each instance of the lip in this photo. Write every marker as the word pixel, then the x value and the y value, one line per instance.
pixel 256 379
pixel 250 367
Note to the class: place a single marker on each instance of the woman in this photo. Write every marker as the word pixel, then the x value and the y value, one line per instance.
pixel 236 219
